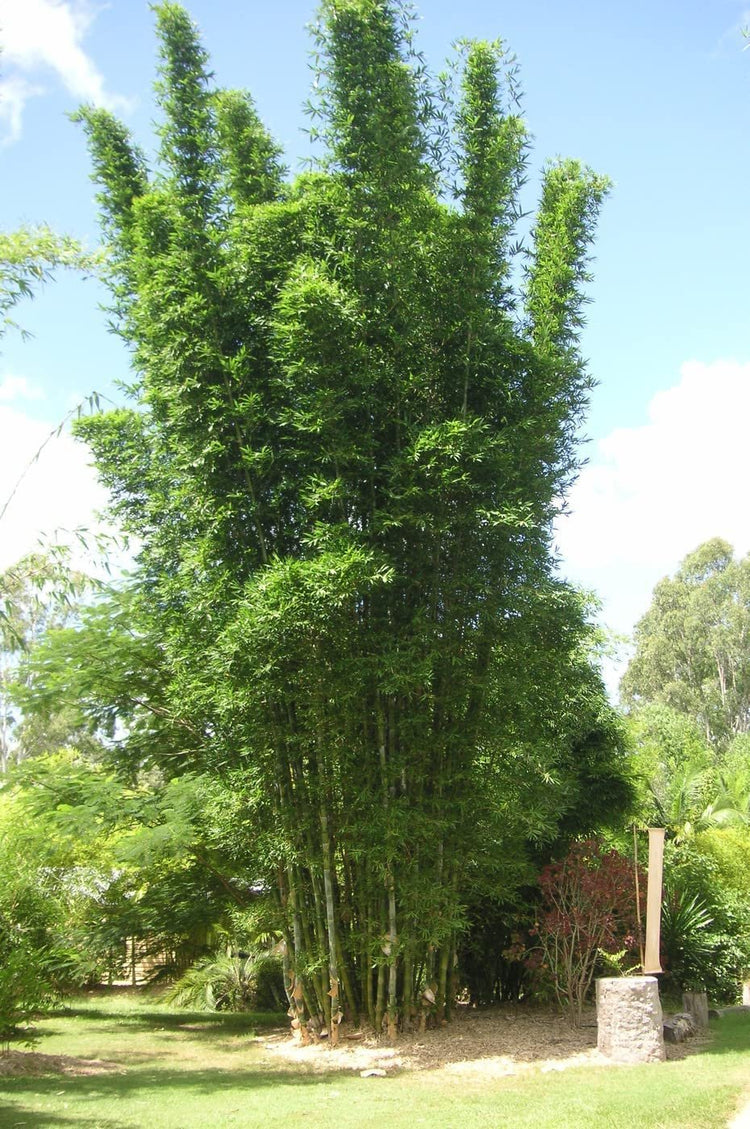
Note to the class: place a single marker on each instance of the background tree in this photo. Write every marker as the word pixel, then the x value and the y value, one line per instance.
pixel 693 644
pixel 37 594
pixel 105 677
pixel 32 586
pixel 688 691
pixel 28 258
pixel 145 868
pixel 349 433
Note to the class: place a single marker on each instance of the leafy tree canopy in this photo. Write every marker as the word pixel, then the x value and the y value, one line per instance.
pixel 28 258
pixel 38 593
pixel 693 644
pixel 354 411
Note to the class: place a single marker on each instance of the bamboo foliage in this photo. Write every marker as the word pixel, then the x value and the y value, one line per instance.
pixel 347 436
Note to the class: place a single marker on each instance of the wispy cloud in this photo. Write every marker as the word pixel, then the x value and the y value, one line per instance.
pixel 18 388
pixel 57 492
pixel 14 94
pixel 38 36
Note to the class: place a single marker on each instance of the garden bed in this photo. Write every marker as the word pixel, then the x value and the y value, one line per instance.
pixel 493 1042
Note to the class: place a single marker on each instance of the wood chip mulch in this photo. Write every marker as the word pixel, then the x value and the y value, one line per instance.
pixel 14 1064
pixel 490 1042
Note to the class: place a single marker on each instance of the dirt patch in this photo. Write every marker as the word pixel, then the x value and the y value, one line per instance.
pixel 18 1063
pixel 492 1042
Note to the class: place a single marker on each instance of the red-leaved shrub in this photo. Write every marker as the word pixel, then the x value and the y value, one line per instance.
pixel 588 909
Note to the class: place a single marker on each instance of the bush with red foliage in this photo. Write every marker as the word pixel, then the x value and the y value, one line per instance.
pixel 588 909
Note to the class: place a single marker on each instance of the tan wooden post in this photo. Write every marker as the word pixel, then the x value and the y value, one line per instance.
pixel 651 962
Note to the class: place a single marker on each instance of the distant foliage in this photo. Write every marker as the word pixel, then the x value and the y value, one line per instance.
pixel 687 689
pixel 692 651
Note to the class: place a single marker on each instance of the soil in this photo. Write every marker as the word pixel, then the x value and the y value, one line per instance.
pixel 16 1063
pixel 487 1042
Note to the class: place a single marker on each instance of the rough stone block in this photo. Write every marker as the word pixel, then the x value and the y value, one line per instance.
pixel 630 1019
pixel 687 1020
pixel 678 1029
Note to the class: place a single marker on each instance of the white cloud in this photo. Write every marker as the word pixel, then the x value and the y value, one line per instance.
pixel 57 494
pixel 14 94
pixel 18 388
pixel 46 34
pixel 653 493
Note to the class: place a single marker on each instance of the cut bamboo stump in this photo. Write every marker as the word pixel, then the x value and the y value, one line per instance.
pixel 696 1005
pixel 629 1018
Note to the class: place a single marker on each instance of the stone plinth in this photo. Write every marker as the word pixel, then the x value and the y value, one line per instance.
pixel 629 1019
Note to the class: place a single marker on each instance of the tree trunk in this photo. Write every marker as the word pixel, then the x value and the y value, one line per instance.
pixel 696 1004
pixel 334 1017
pixel 380 999
pixel 393 961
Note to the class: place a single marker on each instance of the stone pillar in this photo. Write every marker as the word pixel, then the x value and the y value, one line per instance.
pixel 629 1019
pixel 696 1005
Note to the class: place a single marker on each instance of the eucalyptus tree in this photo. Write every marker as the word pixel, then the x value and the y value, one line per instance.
pixel 693 644
pixel 354 412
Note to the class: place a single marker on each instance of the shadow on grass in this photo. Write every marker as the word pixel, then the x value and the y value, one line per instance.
pixel 12 1116
pixel 109 1087
pixel 731 1034
pixel 208 1022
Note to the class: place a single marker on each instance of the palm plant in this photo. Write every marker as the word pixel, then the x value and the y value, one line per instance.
pixel 230 981
pixel 686 939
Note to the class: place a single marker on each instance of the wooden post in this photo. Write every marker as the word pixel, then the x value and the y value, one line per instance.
pixel 652 962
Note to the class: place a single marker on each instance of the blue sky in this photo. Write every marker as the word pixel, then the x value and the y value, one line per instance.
pixel 654 93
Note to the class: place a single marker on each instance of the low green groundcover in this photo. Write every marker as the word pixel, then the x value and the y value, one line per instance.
pixel 169 1069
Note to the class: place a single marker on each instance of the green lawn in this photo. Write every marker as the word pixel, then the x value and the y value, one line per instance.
pixel 179 1070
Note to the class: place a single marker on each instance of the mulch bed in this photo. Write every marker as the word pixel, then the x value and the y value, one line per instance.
pixel 484 1042
pixel 14 1064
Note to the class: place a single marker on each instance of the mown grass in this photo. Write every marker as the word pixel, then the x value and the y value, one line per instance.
pixel 179 1070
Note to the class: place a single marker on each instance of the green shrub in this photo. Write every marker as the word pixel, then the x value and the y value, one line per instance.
pixel 28 918
pixel 705 924
pixel 231 982
pixel 686 941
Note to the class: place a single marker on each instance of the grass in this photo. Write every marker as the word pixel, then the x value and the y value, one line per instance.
pixel 183 1069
